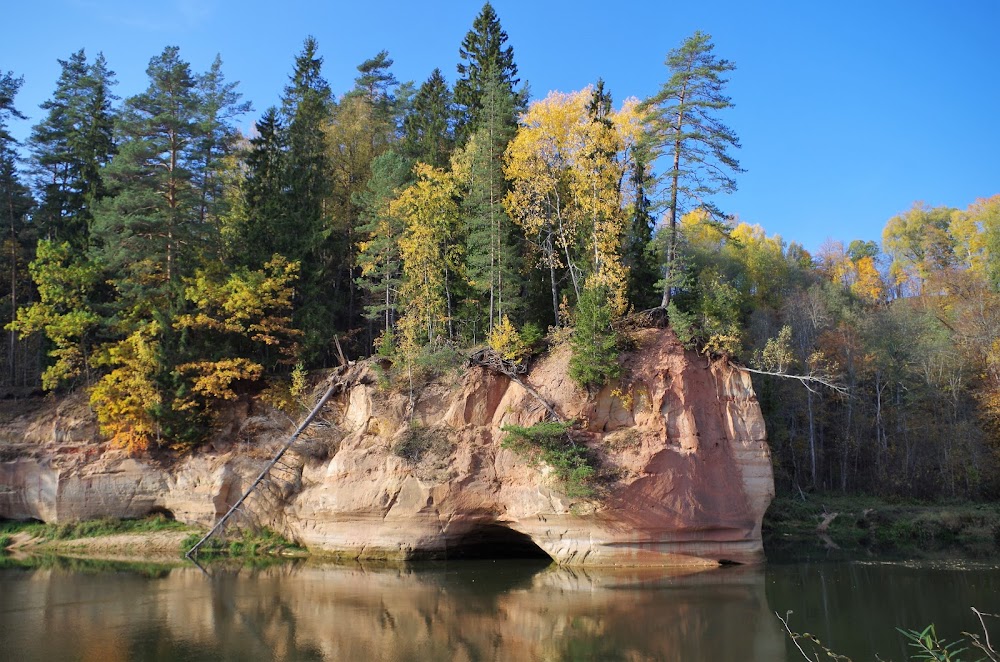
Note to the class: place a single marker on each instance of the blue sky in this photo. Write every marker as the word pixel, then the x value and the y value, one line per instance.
pixel 848 111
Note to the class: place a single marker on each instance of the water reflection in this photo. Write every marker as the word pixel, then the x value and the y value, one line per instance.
pixel 855 608
pixel 474 610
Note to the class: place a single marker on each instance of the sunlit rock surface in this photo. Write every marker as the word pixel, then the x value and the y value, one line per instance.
pixel 680 441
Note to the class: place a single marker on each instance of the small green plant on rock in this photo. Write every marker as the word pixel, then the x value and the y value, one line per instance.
pixel 549 442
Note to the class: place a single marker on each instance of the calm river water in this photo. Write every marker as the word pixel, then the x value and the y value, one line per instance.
pixel 477 610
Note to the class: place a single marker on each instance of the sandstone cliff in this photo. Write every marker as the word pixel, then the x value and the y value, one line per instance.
pixel 686 474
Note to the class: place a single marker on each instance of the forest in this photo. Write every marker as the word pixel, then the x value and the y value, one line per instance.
pixel 166 263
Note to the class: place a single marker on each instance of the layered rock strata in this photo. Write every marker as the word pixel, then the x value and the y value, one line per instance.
pixel 680 443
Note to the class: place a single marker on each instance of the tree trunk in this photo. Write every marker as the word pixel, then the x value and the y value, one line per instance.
pixel 674 190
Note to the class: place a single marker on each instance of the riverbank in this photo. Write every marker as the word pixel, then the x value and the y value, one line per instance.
pixel 846 527
pixel 155 538
pixel 831 527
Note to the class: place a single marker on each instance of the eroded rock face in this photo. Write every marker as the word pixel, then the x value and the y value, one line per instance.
pixel 685 439
pixel 680 441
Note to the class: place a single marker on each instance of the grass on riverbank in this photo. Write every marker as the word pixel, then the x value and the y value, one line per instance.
pixel 870 525
pixel 246 544
pixel 88 528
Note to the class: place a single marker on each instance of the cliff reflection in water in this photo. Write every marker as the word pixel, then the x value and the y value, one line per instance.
pixel 473 610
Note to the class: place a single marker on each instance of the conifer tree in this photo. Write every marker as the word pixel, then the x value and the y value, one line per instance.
pixel 70 146
pixel 306 108
pixel 147 231
pixel 692 139
pixel 379 260
pixel 484 48
pixel 427 129
pixel 638 251
pixel 221 107
pixel 260 226
pixel 15 204
pixel 490 237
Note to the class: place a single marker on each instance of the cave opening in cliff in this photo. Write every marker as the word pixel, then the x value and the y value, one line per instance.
pixel 495 541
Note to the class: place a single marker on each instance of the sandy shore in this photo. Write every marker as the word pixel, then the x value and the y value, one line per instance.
pixel 153 546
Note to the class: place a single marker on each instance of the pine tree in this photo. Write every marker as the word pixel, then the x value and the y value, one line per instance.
pixel 484 49
pixel 147 231
pixel 9 87
pixel 694 142
pixel 220 109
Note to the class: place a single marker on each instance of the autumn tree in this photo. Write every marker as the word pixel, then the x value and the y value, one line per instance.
pixel 567 171
pixel 919 243
pixel 687 133
pixel 429 255
pixel 64 313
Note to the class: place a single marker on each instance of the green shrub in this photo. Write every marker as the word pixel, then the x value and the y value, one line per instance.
pixel 548 442
pixel 245 544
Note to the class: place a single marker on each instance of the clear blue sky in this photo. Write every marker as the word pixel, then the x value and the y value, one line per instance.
pixel 848 111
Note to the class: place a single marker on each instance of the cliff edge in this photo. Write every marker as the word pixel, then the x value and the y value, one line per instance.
pixel 685 472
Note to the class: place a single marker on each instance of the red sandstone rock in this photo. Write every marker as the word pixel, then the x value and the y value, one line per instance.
pixel 683 439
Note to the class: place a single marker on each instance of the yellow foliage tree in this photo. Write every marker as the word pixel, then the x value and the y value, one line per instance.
pixel 567 165
pixel 126 399
pixel 505 340
pixel 241 323
pixel 430 256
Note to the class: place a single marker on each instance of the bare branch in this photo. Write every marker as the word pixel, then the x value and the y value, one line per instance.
pixel 806 380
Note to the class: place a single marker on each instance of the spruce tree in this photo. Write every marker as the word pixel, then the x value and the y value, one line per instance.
pixel 491 262
pixel 428 134
pixel 638 250
pixel 70 146
pixel 595 343
pixel 483 49
pixel 378 239
pixel 262 224
pixel 306 110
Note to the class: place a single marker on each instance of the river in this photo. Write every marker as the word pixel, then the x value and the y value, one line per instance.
pixel 60 609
